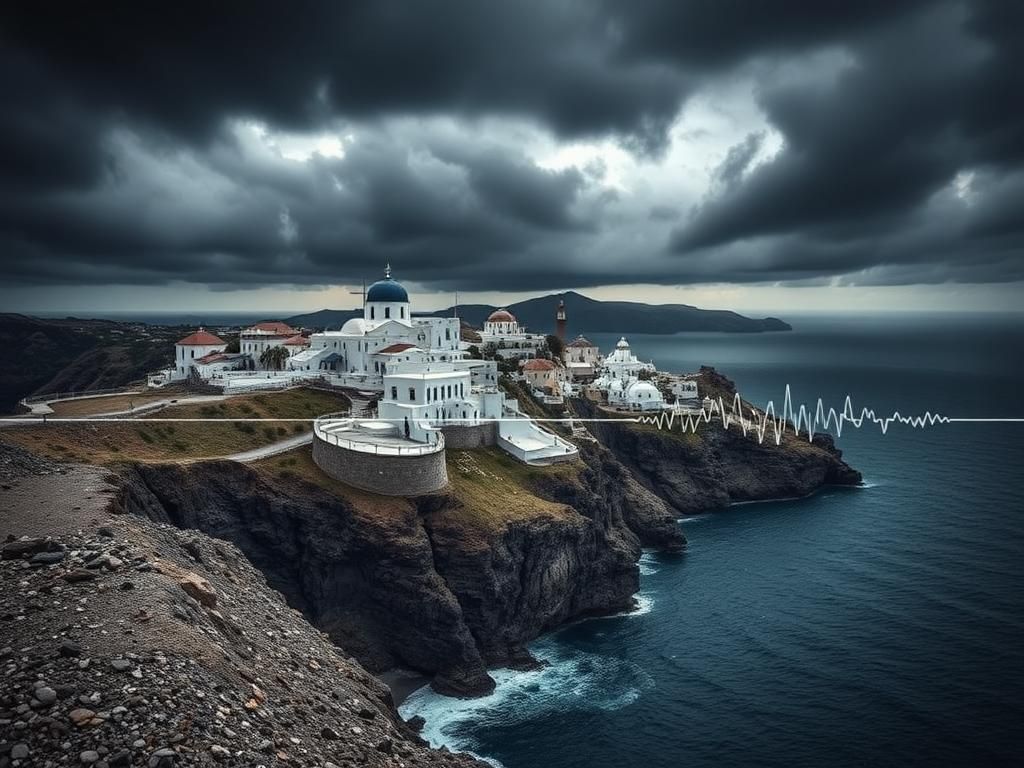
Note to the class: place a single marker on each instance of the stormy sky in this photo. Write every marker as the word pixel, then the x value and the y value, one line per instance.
pixel 728 153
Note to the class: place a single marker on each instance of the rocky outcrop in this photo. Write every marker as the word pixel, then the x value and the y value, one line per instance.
pixel 413 582
pixel 715 467
pixel 140 644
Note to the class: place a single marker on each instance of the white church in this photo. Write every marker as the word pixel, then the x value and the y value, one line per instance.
pixel 624 381
pixel 510 340
pixel 425 381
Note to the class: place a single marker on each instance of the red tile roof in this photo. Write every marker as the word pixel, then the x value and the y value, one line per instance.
pixel 201 338
pixel 394 349
pixel 275 326
pixel 501 316
pixel 580 341
pixel 538 365
pixel 213 357
pixel 297 340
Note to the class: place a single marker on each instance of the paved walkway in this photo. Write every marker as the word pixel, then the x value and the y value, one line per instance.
pixel 270 450
pixel 39 410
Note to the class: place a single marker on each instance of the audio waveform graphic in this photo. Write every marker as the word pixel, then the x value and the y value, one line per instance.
pixel 799 420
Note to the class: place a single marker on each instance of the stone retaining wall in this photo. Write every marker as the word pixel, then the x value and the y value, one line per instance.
pixel 465 437
pixel 387 475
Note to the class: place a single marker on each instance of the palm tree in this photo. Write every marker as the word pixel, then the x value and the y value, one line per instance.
pixel 273 358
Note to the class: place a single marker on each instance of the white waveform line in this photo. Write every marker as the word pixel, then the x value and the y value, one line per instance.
pixel 800 420
pixel 758 422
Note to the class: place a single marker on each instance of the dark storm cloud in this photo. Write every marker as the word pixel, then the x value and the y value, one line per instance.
pixel 865 154
pixel 124 161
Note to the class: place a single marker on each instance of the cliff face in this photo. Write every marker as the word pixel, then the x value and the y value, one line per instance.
pixel 715 467
pixel 432 583
pixel 124 642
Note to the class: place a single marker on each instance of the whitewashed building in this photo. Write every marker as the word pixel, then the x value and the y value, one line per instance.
pixel 193 347
pixel 257 339
pixel 621 363
pixel 361 350
pixel 510 340
pixel 582 358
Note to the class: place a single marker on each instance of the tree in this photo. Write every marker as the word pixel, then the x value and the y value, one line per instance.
pixel 234 345
pixel 474 352
pixel 555 345
pixel 645 375
pixel 274 358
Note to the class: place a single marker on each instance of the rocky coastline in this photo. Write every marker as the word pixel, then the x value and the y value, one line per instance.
pixel 432 584
pixel 413 583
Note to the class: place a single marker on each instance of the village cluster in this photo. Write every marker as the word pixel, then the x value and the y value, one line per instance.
pixel 427 379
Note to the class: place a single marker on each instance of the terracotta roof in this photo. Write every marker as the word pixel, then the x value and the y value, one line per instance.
pixel 394 349
pixel 275 326
pixel 538 365
pixel 297 341
pixel 213 357
pixel 501 316
pixel 581 341
pixel 201 338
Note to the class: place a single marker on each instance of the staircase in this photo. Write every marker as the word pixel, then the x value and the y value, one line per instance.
pixel 364 404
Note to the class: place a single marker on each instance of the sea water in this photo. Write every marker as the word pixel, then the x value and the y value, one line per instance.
pixel 874 626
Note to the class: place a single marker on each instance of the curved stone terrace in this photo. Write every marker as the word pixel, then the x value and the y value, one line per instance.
pixel 378 437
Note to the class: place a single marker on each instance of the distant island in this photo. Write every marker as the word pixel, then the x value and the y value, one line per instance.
pixel 585 315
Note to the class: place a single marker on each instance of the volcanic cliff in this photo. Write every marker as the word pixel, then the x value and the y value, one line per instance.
pixel 446 584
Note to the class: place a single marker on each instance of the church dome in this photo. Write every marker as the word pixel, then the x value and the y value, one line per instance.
pixel 622 344
pixel 387 290
pixel 501 316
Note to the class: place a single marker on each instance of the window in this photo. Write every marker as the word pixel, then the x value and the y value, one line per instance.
pixel 394 393
pixel 412 393
pixel 401 312
pixel 447 334
pixel 372 312
pixel 387 313
pixel 193 354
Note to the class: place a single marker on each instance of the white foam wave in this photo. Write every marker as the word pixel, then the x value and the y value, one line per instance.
pixel 571 680
pixel 648 564
pixel 694 518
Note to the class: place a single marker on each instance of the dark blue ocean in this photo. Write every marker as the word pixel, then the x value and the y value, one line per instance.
pixel 878 626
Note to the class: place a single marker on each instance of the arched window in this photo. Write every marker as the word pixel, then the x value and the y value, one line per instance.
pixel 387 313
pixel 372 309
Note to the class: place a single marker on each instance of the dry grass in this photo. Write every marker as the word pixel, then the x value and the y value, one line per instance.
pixel 91 406
pixel 298 465
pixel 148 439
pixel 491 487
pixel 494 488
pixel 298 403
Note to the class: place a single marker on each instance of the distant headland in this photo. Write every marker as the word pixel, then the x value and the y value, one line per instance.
pixel 584 312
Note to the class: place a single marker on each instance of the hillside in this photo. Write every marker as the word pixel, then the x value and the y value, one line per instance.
pixel 586 315
pixel 39 355
pixel 127 642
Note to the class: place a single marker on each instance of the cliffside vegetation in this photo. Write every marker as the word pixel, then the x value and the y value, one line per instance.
pixel 146 439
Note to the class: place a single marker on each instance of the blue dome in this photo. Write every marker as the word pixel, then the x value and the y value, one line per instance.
pixel 387 290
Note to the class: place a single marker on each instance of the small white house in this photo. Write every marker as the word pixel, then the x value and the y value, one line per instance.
pixel 421 400
pixel 192 348
pixel 582 358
